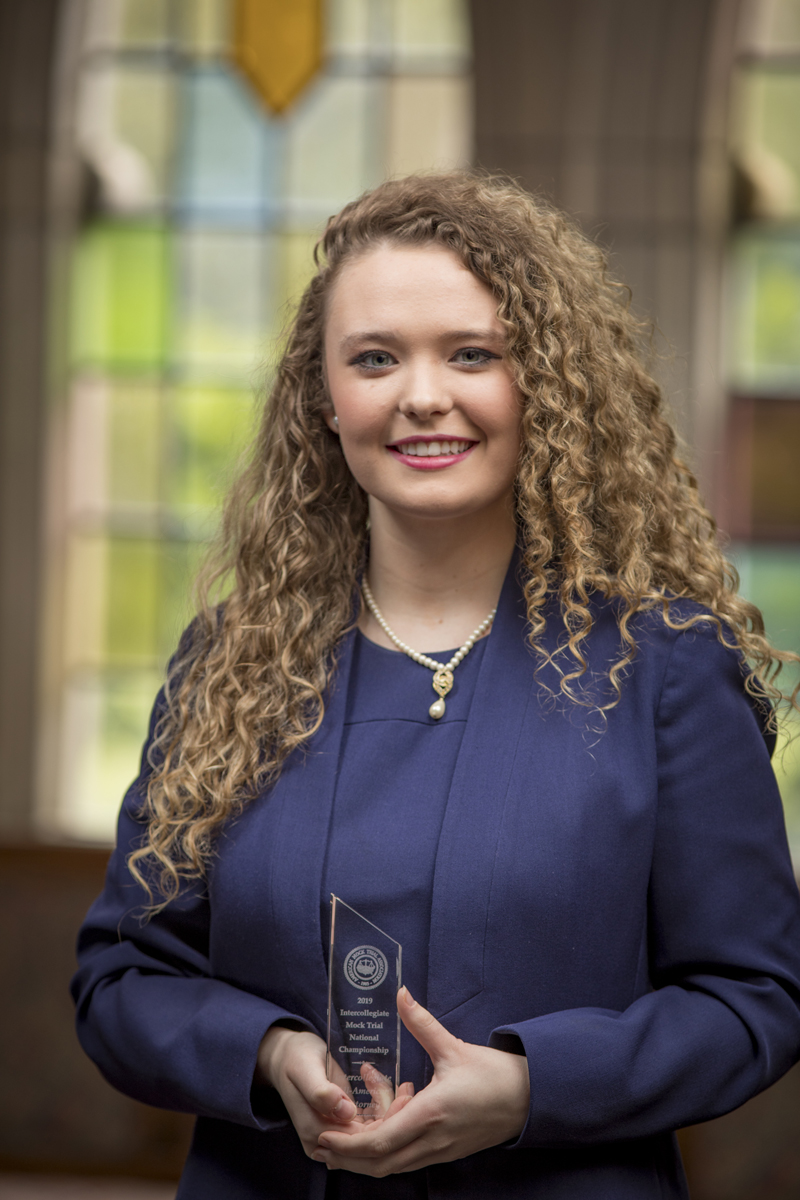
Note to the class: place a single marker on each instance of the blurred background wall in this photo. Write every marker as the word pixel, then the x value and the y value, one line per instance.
pixel 165 166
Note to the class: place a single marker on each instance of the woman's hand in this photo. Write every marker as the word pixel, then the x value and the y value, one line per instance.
pixel 478 1098
pixel 293 1062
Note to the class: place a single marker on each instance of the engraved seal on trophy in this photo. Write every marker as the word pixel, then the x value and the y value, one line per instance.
pixel 366 967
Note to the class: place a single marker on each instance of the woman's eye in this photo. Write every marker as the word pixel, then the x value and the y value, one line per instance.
pixel 470 356
pixel 375 359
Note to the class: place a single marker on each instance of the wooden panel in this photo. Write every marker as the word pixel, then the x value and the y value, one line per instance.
pixel 56 1112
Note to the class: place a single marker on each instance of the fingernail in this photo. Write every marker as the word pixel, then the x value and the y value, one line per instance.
pixel 344 1110
pixel 408 998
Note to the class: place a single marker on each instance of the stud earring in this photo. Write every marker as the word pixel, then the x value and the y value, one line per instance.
pixel 336 422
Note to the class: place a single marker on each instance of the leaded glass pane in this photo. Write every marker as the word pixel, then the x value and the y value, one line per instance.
pixel 231 168
pixel 770 578
pixel 126 130
pixel 767 144
pixel 104 717
pixel 87 444
pixel 86 601
pixel 428 124
pixel 146 22
pixel 765 302
pixel 430 31
pixel 777 26
pixel 204 26
pixel 120 301
pixel 133 601
pixel 208 430
pixel 134 446
pixel 222 315
pixel 326 169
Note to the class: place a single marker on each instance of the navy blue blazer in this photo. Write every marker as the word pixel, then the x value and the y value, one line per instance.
pixel 616 898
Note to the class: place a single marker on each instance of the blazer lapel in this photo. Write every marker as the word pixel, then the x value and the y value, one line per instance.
pixel 308 791
pixel 475 806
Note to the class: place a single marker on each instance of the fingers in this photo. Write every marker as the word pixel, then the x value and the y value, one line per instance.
pixel 431 1035
pixel 380 1089
pixel 304 1066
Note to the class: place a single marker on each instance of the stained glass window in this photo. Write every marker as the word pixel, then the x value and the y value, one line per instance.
pixel 763 477
pixel 201 211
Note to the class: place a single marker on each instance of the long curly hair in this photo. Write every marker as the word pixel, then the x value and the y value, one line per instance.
pixel 604 505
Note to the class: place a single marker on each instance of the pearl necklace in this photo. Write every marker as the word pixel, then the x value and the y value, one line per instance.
pixel 442 673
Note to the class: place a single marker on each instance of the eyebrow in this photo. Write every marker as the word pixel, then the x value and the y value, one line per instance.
pixel 389 335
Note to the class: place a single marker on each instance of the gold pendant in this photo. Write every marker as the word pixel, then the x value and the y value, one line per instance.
pixel 442 683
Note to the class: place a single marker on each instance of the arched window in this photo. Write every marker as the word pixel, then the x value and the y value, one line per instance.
pixel 762 492
pixel 200 210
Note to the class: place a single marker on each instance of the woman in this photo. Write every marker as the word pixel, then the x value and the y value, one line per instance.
pixel 576 835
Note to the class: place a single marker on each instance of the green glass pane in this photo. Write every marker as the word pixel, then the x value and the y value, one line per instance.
pixel 104 725
pixel 207 431
pixel 119 297
pixel 133 600
pixel 134 447
pixel 180 562
pixel 765 340
pixel 770 578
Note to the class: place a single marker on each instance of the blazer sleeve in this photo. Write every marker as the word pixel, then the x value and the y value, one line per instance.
pixel 723 1019
pixel 151 1016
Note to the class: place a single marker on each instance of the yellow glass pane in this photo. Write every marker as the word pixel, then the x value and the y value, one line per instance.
pixel 297 268
pixel 85 601
pixel 133 598
pixel 430 125
pixel 350 27
pixel 205 26
pixel 134 446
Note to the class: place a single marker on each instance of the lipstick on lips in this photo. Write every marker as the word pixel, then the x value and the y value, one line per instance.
pixel 431 453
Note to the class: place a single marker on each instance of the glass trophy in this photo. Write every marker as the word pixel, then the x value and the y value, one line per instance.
pixel 364 976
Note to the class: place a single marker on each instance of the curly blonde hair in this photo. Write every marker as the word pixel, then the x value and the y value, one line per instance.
pixel 604 505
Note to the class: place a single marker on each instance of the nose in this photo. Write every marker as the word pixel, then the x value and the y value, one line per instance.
pixel 425 392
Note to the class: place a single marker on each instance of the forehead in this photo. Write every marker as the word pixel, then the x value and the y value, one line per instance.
pixel 389 280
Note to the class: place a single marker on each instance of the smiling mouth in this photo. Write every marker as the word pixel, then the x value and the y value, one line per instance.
pixel 432 449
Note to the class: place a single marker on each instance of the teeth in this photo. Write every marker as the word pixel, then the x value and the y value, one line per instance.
pixel 431 449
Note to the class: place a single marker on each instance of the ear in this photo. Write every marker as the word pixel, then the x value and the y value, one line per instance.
pixel 330 418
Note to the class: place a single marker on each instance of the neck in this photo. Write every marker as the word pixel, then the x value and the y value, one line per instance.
pixel 435 581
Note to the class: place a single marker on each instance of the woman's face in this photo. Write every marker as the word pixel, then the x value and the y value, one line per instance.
pixel 428 413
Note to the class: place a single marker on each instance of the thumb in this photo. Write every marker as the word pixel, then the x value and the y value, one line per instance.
pixel 422 1025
